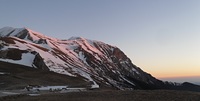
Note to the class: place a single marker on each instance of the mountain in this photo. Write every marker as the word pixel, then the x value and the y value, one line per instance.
pixel 97 63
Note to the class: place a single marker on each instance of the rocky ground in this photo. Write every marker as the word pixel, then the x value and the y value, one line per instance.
pixel 110 95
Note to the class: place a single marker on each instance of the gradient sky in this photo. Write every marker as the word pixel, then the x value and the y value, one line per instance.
pixel 160 36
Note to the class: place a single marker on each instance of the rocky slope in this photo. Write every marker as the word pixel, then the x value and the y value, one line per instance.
pixel 97 62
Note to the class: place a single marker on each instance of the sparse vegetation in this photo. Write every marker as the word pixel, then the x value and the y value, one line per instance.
pixel 111 95
pixel 20 76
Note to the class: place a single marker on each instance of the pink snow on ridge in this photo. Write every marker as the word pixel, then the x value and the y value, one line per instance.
pixel 69 57
pixel 36 35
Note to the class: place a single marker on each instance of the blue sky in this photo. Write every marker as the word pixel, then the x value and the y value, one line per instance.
pixel 160 36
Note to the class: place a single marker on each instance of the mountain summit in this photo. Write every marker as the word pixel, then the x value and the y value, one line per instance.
pixel 96 62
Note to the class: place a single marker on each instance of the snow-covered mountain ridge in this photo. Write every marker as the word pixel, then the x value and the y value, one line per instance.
pixel 97 62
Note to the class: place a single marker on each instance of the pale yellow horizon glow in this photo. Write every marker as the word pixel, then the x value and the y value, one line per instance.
pixel 172 70
pixel 169 66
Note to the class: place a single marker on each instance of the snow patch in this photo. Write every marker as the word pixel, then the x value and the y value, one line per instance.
pixel 128 81
pixel 82 57
pixel 27 60
pixel 10 93
pixel 33 94
pixel 95 85
pixel 49 87
pixel 87 76
pixel 3 73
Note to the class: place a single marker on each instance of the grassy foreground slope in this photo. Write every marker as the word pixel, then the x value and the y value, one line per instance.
pixel 19 76
pixel 112 95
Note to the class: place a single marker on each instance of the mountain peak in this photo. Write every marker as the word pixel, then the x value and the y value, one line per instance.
pixel 23 33
pixel 10 31
pixel 95 61
pixel 82 39
pixel 76 38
